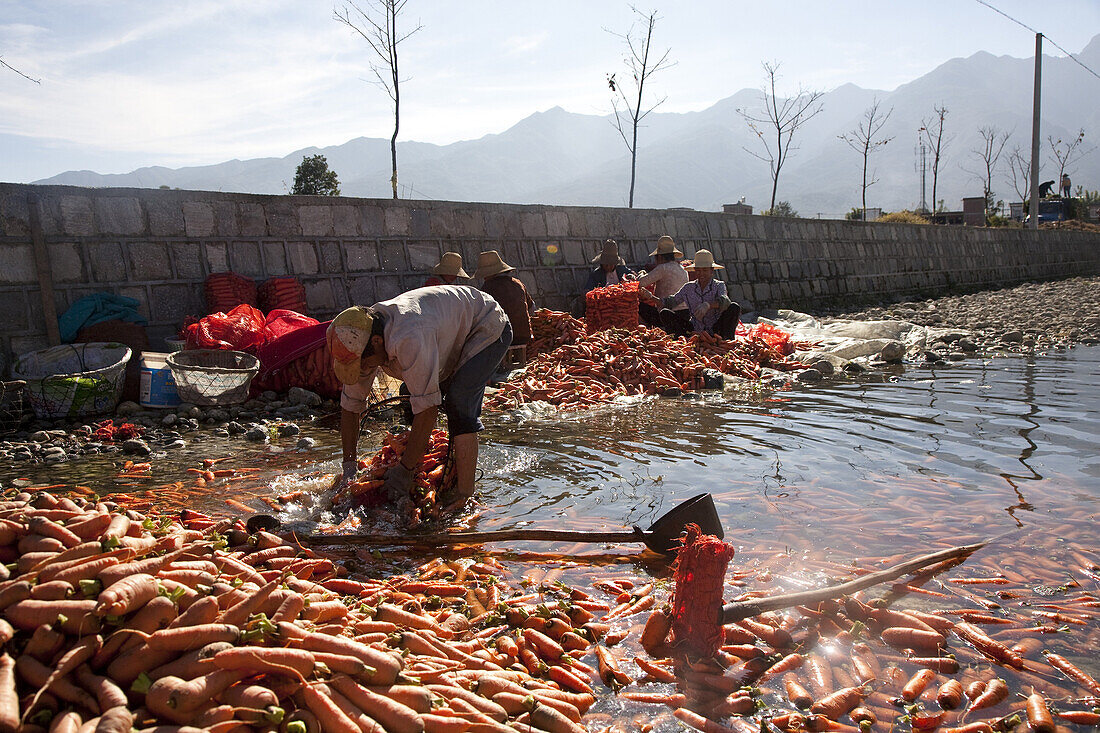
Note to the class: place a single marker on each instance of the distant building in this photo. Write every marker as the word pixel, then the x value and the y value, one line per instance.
pixel 739 208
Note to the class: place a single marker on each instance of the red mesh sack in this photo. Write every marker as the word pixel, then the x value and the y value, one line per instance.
pixel 774 337
pixel 226 290
pixel 299 358
pixel 697 600
pixel 241 329
pixel 615 306
pixel 281 322
pixel 282 293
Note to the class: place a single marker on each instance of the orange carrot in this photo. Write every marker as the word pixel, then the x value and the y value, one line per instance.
pixel 796 693
pixel 1038 716
pixel 995 692
pixel 839 703
pixel 917 684
pixel 186 638
pixel 1072 671
pixel 126 595
pixel 950 695
pixel 330 716
pixel 266 660
pixel 9 698
pixel 788 663
pixel 1080 717
pixel 904 637
pixel 657 672
pixel 673 700
pixel 697 721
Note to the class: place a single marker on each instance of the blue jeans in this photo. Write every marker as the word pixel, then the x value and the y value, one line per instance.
pixel 464 392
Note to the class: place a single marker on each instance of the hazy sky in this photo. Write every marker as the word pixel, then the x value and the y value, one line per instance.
pixel 127 83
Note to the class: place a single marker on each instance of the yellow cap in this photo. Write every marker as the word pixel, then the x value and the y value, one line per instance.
pixel 348 335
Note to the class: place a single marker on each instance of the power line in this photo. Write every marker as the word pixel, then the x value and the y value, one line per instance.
pixel 1025 25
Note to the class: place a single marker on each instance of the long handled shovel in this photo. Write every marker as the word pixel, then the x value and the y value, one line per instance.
pixel 662 536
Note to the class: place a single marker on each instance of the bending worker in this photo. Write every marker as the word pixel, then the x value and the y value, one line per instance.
pixel 708 307
pixel 444 342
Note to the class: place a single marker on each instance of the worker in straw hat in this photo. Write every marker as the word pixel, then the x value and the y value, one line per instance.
pixel 664 280
pixel 611 269
pixel 508 291
pixel 447 271
pixel 708 307
pixel 444 343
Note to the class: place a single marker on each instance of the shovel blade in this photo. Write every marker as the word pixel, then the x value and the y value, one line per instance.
pixel 663 536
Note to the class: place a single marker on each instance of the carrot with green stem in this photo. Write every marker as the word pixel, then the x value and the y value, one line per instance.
pixel 126 595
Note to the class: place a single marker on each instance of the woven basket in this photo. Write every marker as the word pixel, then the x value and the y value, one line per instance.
pixel 74 380
pixel 11 406
pixel 212 376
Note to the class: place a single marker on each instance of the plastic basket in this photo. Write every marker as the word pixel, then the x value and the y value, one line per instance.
pixel 212 376
pixel 74 380
pixel 11 406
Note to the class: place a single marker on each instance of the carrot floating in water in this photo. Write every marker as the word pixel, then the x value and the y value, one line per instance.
pixel 1074 672
pixel 839 703
pixel 950 695
pixel 995 692
pixel 917 684
pixel 989 647
pixel 673 700
pixel 799 696
pixel 1080 717
pixel 904 637
pixel 1038 716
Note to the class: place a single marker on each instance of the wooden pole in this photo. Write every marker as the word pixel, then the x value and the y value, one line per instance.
pixel 45 272
pixel 737 611
pixel 1035 109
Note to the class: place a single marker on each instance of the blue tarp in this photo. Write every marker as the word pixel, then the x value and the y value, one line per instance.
pixel 96 308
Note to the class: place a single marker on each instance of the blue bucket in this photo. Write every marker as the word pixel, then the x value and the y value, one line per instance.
pixel 158 388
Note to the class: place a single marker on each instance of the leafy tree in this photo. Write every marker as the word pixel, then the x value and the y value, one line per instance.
pixel 865 140
pixel 781 208
pixel 641 67
pixel 313 178
pixel 777 124
pixel 378 27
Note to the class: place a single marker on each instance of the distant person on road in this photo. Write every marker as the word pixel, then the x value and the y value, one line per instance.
pixel 1065 185
pixel 666 279
pixel 508 291
pixel 447 271
pixel 708 307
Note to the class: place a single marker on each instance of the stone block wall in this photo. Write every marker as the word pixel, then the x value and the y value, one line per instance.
pixel 158 246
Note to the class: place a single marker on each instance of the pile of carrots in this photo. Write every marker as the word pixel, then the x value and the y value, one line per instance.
pixel 113 621
pixel 550 329
pixel 614 306
pixel 430 481
pixel 612 363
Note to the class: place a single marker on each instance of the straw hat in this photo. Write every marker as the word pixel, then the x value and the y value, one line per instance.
pixel 348 335
pixel 703 258
pixel 450 264
pixel 609 255
pixel 489 264
pixel 665 246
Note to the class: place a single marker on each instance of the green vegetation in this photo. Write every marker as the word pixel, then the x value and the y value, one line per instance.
pixel 781 208
pixel 313 178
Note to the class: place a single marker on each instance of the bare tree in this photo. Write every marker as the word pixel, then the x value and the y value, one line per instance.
pixel 865 140
pixel 987 155
pixel 1019 171
pixel 378 27
pixel 932 130
pixel 1065 154
pixel 628 109
pixel 779 120
pixel 8 66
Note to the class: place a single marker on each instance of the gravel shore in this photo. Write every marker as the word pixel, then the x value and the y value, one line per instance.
pixel 1031 316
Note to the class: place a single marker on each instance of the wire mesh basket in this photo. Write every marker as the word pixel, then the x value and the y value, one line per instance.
pixel 212 376
pixel 74 380
pixel 11 406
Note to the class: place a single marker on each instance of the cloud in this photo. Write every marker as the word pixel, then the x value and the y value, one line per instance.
pixel 520 45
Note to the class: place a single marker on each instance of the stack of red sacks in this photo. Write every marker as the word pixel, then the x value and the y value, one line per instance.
pixel 226 290
pixel 283 293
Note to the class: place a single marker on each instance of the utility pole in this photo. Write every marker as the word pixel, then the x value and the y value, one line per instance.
pixel 922 163
pixel 1034 208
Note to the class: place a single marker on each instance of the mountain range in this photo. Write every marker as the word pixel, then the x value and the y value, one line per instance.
pixel 702 159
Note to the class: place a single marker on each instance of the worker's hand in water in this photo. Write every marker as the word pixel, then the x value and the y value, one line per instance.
pixel 398 482
pixel 349 469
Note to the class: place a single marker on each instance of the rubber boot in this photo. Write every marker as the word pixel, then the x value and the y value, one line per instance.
pixel 464 448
